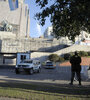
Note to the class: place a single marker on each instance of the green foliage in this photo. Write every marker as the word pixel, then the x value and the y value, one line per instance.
pixel 83 53
pixel 53 57
pixel 57 58
pixel 68 17
pixel 61 59
pixel 88 53
pixel 71 53
pixel 67 56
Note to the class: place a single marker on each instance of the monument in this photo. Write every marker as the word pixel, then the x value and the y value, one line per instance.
pixel 15 23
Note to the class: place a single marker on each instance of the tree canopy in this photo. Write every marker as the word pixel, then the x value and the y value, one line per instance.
pixel 68 17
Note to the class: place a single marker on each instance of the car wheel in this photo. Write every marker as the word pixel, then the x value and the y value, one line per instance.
pixel 39 70
pixel 17 71
pixel 31 71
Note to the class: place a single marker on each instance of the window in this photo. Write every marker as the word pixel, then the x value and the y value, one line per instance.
pixel 23 57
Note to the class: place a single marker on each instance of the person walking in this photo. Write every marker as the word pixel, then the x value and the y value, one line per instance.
pixel 75 61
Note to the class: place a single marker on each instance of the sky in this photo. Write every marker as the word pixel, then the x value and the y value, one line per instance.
pixel 36 30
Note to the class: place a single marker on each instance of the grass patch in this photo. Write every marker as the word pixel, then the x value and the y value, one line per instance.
pixel 88 56
pixel 42 91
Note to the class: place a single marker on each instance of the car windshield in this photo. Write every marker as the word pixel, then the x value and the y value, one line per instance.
pixel 28 61
pixel 49 63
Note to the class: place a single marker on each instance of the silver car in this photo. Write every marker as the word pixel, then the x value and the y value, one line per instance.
pixel 49 65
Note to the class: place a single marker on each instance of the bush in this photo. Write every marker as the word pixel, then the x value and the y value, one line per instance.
pixel 53 57
pixel 61 59
pixel 83 53
pixel 71 53
pixel 88 53
pixel 67 56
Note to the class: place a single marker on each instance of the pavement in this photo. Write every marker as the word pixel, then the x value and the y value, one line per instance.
pixel 59 75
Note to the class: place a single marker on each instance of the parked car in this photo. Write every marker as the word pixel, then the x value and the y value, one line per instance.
pixel 29 66
pixel 49 65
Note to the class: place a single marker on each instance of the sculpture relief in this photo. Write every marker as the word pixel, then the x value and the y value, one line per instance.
pixel 5 26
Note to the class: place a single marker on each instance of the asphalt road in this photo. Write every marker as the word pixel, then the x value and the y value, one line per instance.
pixel 59 75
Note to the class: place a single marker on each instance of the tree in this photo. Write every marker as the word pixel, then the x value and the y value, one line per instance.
pixel 53 57
pixel 68 17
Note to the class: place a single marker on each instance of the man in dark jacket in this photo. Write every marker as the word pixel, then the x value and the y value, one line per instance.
pixel 75 61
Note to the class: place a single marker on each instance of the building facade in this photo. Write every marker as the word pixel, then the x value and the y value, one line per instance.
pixel 82 39
pixel 16 22
pixel 49 33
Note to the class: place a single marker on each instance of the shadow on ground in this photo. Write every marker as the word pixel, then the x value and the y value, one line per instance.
pixel 48 87
pixel 62 88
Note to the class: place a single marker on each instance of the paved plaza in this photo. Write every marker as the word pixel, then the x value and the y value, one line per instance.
pixel 59 75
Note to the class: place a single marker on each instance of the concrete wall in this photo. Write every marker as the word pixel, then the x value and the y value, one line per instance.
pixel 1 59
pixel 4 34
pixel 10 62
pixel 14 45
pixel 73 48
pixel 42 56
pixel 28 44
